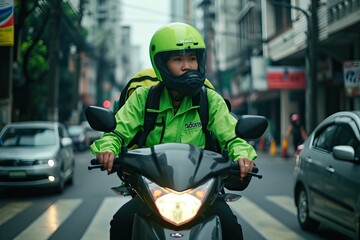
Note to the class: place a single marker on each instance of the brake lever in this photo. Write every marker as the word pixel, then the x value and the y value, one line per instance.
pixel 259 176
pixel 96 166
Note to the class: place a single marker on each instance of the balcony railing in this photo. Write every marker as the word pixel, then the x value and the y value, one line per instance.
pixel 337 9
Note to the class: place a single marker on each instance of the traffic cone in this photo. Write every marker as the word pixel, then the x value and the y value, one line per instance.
pixel 273 148
pixel 284 147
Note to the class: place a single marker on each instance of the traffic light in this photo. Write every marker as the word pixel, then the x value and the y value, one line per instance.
pixel 106 104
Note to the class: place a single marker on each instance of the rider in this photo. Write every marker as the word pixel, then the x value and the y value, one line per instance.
pixel 177 53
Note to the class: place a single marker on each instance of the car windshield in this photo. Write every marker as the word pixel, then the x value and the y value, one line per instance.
pixel 29 137
pixel 75 130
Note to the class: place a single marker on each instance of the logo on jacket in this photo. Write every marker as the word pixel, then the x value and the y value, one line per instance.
pixel 192 125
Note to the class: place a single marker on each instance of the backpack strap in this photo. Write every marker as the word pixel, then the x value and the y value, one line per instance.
pixel 201 99
pixel 152 102
pixel 203 110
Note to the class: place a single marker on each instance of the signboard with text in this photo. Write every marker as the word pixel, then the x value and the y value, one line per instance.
pixel 6 22
pixel 352 77
pixel 284 77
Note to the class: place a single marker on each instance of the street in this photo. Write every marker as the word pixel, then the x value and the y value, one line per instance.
pixel 83 211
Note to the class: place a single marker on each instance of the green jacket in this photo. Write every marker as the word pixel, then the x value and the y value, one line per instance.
pixel 183 127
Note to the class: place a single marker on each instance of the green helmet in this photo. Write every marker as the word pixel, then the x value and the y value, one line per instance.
pixel 173 38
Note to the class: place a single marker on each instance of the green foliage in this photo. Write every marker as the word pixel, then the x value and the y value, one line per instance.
pixel 37 63
pixel 32 27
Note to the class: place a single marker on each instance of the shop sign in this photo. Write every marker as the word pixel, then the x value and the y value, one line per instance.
pixel 352 77
pixel 286 77
pixel 6 22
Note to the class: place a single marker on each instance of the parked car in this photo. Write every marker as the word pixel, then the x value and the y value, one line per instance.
pixel 36 154
pixel 90 133
pixel 79 137
pixel 327 186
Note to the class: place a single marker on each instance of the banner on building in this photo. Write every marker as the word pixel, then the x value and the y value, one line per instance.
pixel 284 77
pixel 6 22
pixel 352 77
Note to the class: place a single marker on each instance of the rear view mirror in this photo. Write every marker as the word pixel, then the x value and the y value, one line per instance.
pixel 100 119
pixel 251 127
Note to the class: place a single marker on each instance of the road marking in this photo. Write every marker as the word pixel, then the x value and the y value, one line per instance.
pixel 262 222
pixel 11 210
pixel 46 224
pixel 284 202
pixel 100 225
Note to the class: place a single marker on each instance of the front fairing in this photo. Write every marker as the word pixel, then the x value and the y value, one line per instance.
pixel 175 165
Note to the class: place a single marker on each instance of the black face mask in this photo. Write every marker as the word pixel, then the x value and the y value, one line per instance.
pixel 187 84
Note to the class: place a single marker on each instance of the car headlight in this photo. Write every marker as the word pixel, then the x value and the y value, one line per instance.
pixel 50 162
pixel 178 207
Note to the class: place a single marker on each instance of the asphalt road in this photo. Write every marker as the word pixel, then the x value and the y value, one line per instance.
pixel 83 211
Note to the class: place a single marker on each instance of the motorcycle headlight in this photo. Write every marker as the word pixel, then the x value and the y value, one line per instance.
pixel 178 207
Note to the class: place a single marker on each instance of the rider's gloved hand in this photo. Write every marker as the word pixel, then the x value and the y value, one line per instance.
pixel 106 158
pixel 246 165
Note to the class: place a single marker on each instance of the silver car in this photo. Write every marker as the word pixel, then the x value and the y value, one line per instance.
pixel 327 186
pixel 36 154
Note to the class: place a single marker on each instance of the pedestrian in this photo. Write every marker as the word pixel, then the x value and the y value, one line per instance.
pixel 178 57
pixel 296 131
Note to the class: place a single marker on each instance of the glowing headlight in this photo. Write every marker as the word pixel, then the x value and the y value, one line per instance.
pixel 178 207
pixel 51 162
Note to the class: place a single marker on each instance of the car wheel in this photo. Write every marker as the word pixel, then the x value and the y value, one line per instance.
pixel 70 181
pixel 305 221
pixel 61 184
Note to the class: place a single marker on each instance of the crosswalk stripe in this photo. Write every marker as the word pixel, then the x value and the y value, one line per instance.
pixel 50 220
pixel 266 225
pixel 99 226
pixel 46 224
pixel 11 210
pixel 284 202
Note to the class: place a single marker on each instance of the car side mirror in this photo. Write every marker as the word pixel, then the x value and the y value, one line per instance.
pixel 344 152
pixel 66 142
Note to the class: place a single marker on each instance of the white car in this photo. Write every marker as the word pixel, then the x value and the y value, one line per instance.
pixel 36 154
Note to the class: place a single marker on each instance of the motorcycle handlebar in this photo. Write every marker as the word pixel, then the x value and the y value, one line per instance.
pixel 234 167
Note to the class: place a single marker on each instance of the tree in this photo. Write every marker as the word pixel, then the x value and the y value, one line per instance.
pixel 32 45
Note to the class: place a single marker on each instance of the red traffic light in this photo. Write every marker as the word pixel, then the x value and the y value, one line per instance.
pixel 106 104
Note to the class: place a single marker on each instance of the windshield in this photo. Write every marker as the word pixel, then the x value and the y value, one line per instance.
pixel 32 137
pixel 75 130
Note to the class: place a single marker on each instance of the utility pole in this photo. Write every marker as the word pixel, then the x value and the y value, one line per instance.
pixel 6 84
pixel 208 39
pixel 53 78
pixel 311 109
pixel 6 53
pixel 75 105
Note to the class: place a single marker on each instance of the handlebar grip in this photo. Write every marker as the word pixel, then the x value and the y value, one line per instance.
pixel 235 166
pixel 94 161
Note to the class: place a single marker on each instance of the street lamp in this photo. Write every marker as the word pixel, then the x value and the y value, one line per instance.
pixel 310 62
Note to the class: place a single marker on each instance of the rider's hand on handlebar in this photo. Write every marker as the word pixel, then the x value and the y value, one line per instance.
pixel 106 158
pixel 246 165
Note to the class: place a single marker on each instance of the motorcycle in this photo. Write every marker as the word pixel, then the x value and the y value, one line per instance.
pixel 178 181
